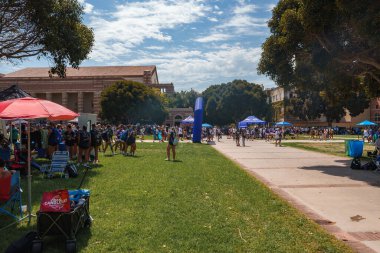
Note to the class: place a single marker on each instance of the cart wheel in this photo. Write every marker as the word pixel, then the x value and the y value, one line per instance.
pixel 88 222
pixel 37 246
pixel 71 246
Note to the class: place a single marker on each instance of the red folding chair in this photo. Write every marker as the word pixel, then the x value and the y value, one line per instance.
pixel 10 196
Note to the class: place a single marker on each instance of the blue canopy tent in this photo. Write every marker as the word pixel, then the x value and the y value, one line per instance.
pixel 206 125
pixel 250 120
pixel 283 124
pixel 188 120
pixel 366 123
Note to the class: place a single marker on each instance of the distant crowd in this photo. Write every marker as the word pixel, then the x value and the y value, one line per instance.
pixel 84 144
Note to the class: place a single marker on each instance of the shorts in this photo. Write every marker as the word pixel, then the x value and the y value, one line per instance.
pixel 131 141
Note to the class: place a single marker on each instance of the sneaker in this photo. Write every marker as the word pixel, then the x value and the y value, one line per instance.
pixel 167 159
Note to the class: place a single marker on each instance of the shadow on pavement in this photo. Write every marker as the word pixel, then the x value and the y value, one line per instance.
pixel 367 176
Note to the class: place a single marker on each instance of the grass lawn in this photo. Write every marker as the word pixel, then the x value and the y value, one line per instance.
pixel 202 203
pixel 337 149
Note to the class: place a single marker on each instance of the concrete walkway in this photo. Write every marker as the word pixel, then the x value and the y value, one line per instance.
pixel 343 201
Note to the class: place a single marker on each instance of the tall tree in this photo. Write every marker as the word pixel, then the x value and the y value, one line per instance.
pixel 231 102
pixel 331 47
pixel 183 99
pixel 131 102
pixel 48 28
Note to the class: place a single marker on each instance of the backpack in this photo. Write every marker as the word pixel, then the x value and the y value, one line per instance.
pixel 369 166
pixel 105 135
pixel 72 170
pixel 124 135
pixel 22 245
pixel 98 138
pixel 356 164
pixel 84 139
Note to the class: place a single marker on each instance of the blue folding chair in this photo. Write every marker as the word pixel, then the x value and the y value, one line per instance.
pixel 10 196
pixel 58 165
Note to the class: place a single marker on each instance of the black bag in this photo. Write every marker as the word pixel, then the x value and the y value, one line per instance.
pixel 356 164
pixel 84 141
pixel 369 166
pixel 22 245
pixel 98 138
pixel 72 170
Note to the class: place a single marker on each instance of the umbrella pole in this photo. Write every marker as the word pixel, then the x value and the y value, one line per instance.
pixel 29 179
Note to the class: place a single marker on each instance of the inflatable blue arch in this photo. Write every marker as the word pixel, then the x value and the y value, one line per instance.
pixel 198 117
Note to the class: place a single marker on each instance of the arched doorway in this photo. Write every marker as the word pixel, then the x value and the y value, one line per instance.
pixel 177 120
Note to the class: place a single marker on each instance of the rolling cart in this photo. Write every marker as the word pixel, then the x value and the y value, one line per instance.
pixel 66 224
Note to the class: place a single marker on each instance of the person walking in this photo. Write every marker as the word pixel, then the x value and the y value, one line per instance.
pixel 237 137
pixel 277 137
pixel 84 143
pixel 171 145
pixel 107 136
pixel 69 137
pixel 243 135
pixel 96 142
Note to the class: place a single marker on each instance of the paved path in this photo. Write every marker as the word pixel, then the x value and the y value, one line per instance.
pixel 320 185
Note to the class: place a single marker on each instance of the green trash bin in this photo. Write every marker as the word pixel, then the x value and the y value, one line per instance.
pixel 346 147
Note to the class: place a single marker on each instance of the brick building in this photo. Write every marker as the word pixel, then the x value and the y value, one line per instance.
pixel 176 115
pixel 80 90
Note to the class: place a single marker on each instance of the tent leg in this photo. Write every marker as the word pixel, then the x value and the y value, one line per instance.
pixel 29 179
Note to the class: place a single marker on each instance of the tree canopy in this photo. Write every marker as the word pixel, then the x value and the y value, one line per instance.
pixel 231 102
pixel 325 48
pixel 183 99
pixel 48 28
pixel 131 102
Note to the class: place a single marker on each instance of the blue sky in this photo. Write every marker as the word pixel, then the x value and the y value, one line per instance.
pixel 193 43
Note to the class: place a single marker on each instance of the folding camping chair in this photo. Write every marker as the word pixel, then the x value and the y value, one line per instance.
pixel 59 162
pixel 10 196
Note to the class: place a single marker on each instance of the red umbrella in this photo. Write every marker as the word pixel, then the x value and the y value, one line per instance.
pixel 33 108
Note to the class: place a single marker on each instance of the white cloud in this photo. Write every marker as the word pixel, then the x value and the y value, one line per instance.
pixel 212 19
pixel 154 48
pixel 240 23
pixel 194 69
pixel 213 37
pixel 87 7
pixel 245 9
pixel 134 22
pixel 270 7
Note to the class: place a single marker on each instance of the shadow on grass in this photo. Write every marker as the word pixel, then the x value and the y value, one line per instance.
pixel 40 185
pixel 369 177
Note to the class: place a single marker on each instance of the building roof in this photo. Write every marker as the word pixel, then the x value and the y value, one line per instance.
pixel 84 71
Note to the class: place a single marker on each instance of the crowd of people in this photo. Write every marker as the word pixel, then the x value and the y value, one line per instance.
pixel 84 145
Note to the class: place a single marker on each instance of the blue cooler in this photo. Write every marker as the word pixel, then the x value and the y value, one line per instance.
pixel 355 148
